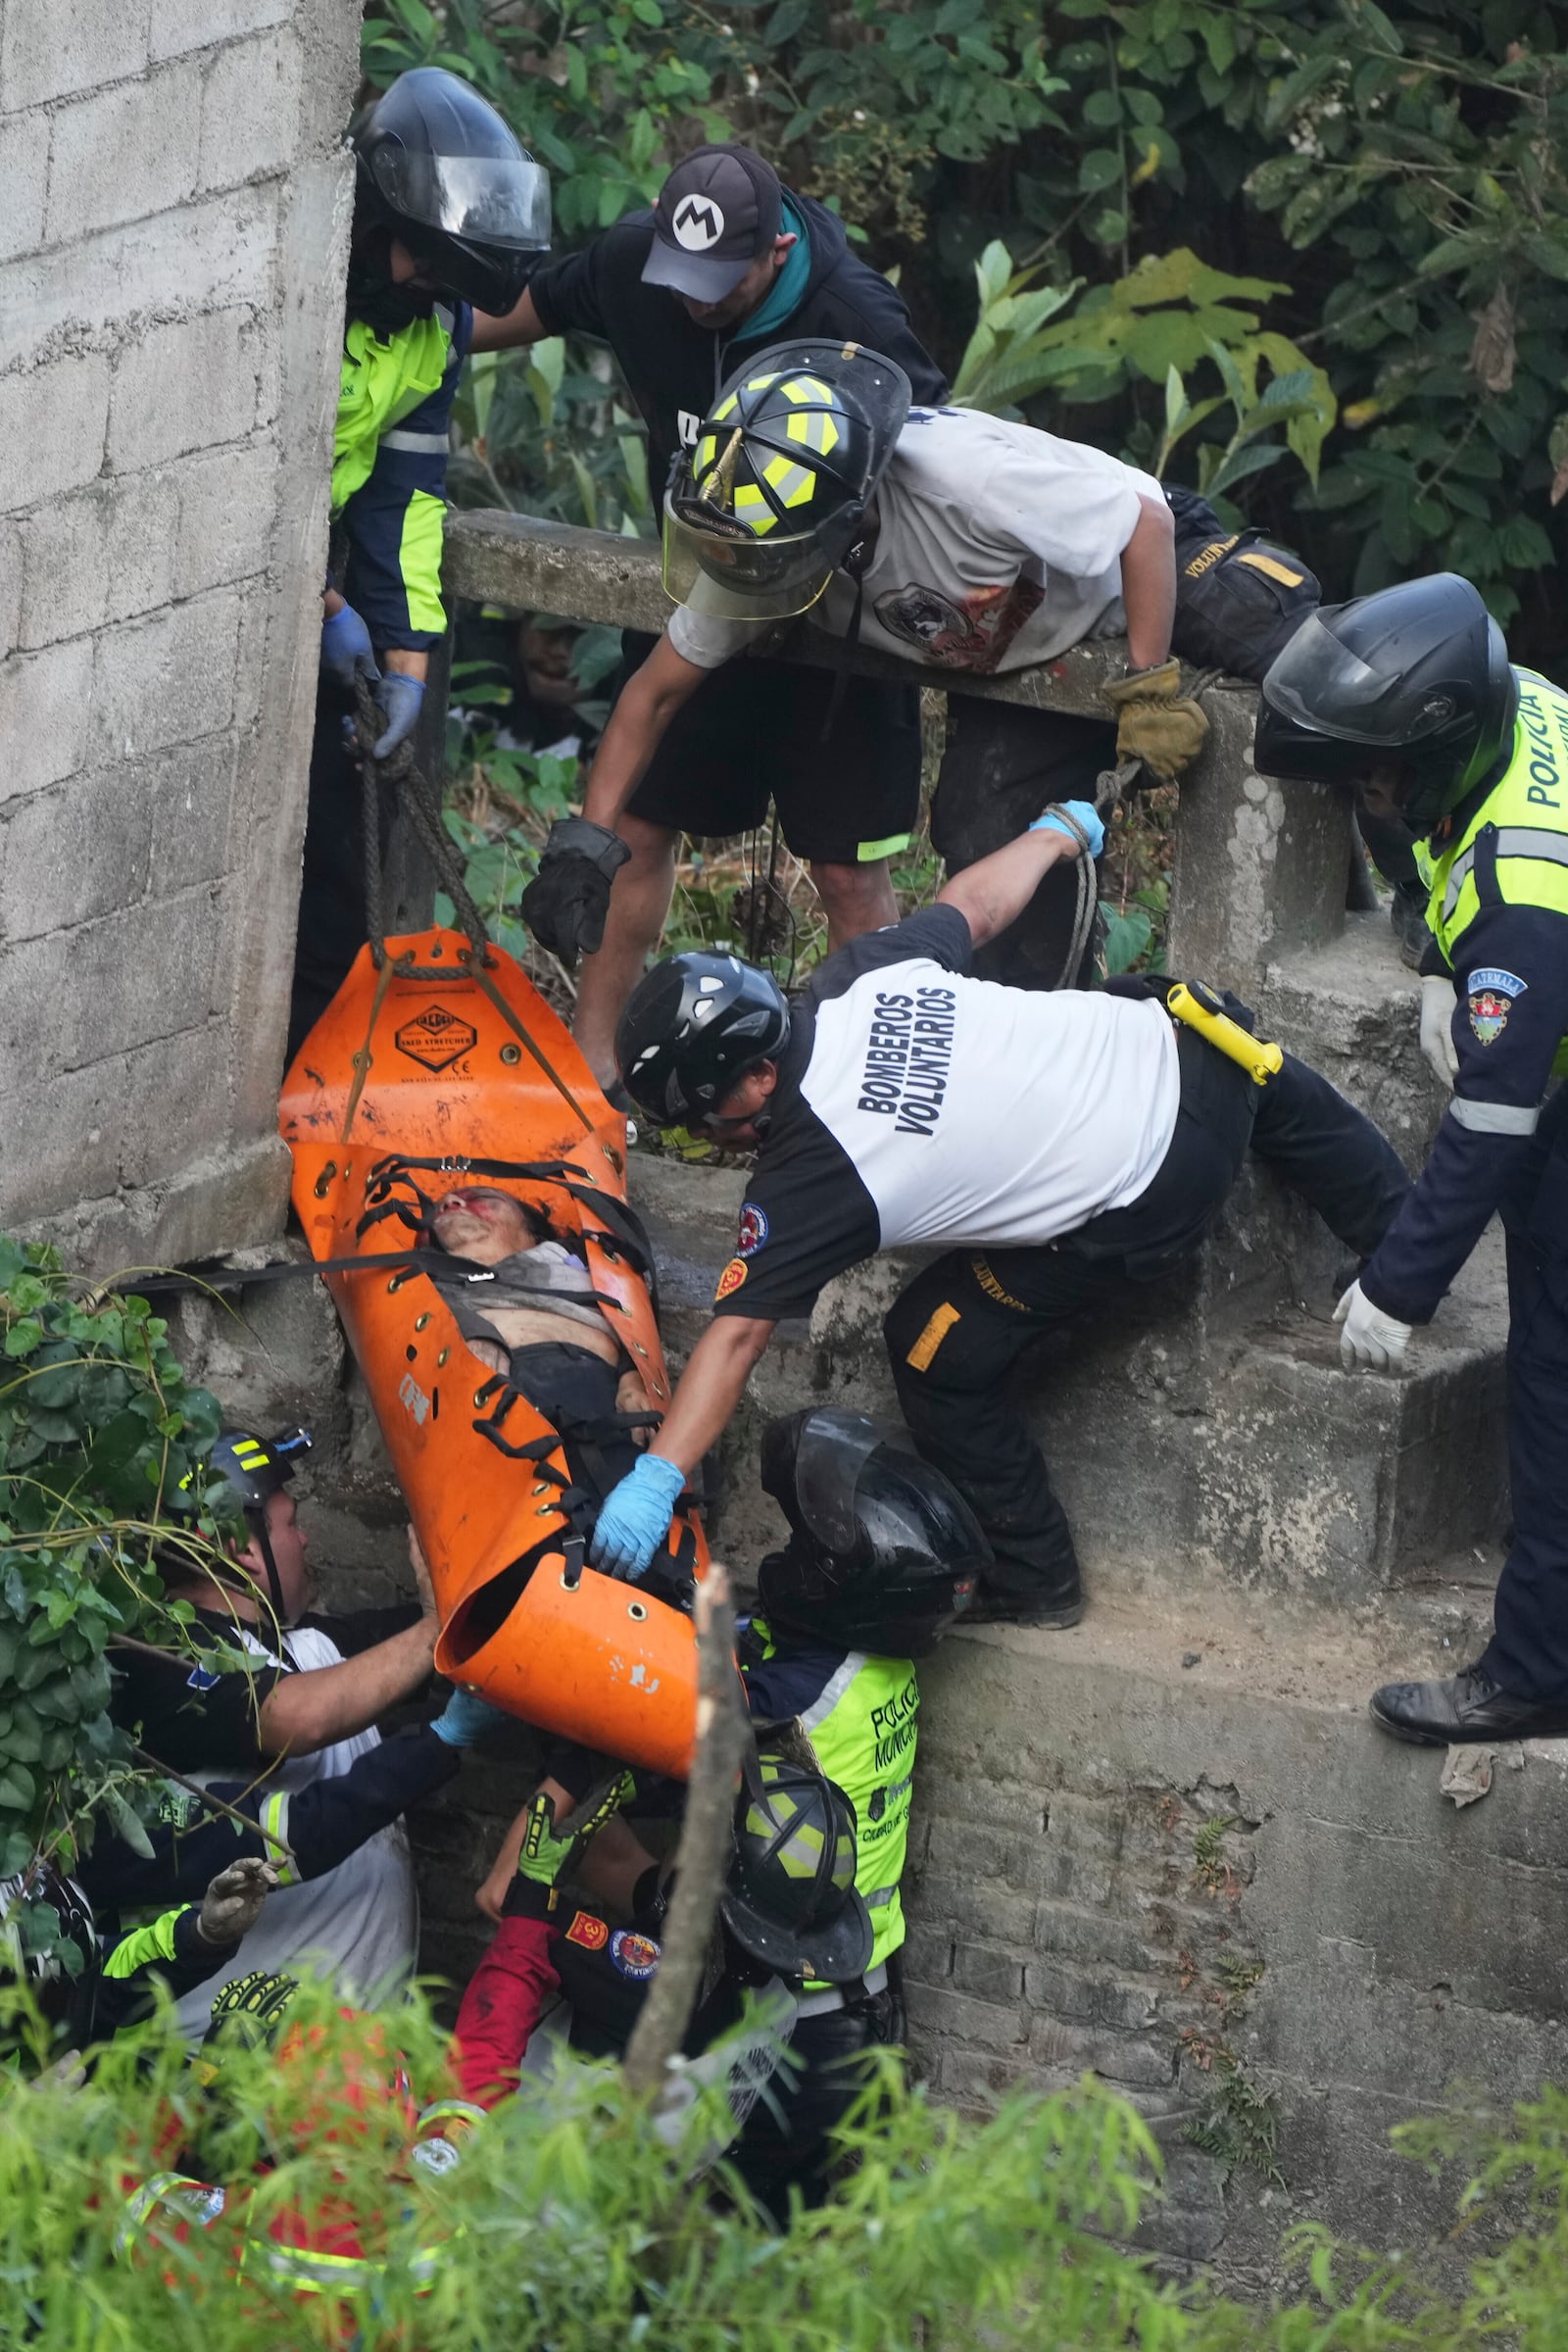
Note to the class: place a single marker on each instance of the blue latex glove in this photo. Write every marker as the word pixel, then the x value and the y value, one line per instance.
pixel 346 650
pixel 466 1718
pixel 400 698
pixel 635 1518
pixel 1087 815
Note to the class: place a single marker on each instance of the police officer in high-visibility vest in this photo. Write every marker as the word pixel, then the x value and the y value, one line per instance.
pixel 1412 693
pixel 450 213
pixel 882 1558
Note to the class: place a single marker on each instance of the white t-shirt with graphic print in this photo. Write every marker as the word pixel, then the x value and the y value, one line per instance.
pixel 997 546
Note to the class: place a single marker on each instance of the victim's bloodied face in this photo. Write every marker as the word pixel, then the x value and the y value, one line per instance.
pixel 483 1225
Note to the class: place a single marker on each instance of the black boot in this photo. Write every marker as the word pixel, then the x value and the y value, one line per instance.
pixel 1050 1607
pixel 1468 1705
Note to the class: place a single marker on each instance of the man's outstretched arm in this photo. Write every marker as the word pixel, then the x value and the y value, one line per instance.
pixel 644 709
pixel 636 1515
pixel 993 891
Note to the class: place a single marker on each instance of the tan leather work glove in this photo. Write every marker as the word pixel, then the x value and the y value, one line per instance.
pixel 232 1903
pixel 1155 722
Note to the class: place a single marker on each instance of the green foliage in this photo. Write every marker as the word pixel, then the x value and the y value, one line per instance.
pixel 571 2223
pixel 1209 1844
pixel 540 429
pixel 1239 2123
pixel 1157 324
pixel 1426 148
pixel 98 1425
pixel 1400 167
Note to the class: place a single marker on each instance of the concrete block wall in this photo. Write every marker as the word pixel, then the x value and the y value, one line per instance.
pixel 174 200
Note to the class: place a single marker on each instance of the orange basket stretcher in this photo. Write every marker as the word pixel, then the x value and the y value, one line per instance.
pixel 434 1067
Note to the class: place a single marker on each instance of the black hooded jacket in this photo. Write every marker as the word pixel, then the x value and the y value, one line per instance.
pixel 673 367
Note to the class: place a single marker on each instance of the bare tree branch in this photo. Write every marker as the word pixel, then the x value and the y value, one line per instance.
pixel 703 1857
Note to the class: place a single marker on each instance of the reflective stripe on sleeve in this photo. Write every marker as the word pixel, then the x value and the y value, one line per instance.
pixel 1513 840
pixel 1494 1118
pixel 418 445
pixel 419 561
pixel 274 1821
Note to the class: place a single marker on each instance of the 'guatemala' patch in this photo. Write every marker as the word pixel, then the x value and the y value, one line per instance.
pixel 1492 992
pixel 730 1279
pixel 754 1229
pixel 591 1933
pixel 635 1956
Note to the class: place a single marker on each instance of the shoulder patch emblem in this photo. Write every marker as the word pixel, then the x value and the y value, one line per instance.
pixel 591 1933
pixel 1488 1003
pixel 635 1956
pixel 730 1279
pixel 202 1678
pixel 754 1229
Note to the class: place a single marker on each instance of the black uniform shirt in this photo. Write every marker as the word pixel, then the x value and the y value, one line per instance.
pixel 1510 971
pixel 198 1718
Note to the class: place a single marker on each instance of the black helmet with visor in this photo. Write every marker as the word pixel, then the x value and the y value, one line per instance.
pixel 60 1957
pixel 884 1553
pixel 439 168
pixel 1416 677
pixel 776 492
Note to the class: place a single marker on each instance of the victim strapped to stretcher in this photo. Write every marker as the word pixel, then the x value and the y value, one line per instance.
pixel 417 1072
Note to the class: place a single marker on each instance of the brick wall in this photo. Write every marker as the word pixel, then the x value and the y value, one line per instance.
pixel 173 209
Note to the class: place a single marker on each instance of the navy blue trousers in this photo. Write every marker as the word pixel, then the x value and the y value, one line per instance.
pixel 1529 1651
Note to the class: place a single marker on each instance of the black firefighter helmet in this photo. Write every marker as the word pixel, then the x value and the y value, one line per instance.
pixel 789 1898
pixel 1416 677
pixel 438 169
pixel 780 486
pixel 250 1471
pixel 883 1552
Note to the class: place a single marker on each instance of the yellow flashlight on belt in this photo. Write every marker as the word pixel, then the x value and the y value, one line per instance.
pixel 1257 1057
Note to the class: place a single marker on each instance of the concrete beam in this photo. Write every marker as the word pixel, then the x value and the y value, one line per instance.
pixel 522 560
pixel 1260 872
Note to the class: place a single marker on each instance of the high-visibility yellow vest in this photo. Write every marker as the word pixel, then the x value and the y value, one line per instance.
pixel 862 1731
pixel 382 378
pixel 1527 813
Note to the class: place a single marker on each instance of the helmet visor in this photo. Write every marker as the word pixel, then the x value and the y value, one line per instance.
pixel 833 1452
pixel 720 569
pixel 1322 685
pixel 488 199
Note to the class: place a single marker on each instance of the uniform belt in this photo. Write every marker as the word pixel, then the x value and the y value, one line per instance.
pixel 839 1996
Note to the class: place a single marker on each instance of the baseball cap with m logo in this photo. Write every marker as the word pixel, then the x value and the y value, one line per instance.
pixel 715 213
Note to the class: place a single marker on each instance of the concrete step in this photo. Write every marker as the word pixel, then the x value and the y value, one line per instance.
pixel 1352 1009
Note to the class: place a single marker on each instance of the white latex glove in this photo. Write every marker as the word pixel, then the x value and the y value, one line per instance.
pixel 1370 1341
pixel 1438 1001
pixel 232 1903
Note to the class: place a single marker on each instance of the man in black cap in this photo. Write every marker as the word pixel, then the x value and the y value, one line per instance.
pixel 726 261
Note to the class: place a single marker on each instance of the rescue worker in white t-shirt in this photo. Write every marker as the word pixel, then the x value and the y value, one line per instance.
pixel 939 535
pixel 1059 1146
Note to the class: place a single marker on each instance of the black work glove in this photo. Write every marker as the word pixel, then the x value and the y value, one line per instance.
pixel 566 904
